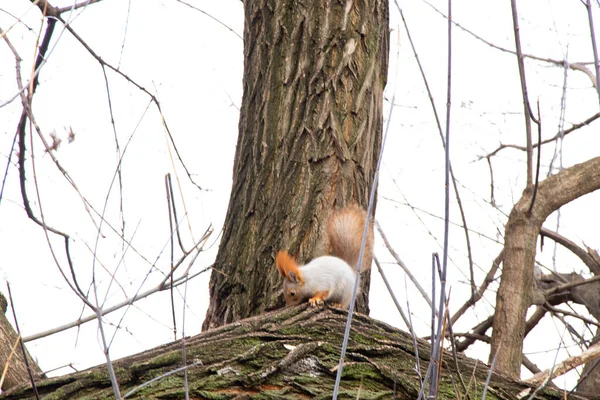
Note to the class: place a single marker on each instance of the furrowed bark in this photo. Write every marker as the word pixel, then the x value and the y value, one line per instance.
pixel 309 138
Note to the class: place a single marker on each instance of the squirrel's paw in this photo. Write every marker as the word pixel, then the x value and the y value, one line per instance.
pixel 317 299
pixel 314 302
pixel 337 305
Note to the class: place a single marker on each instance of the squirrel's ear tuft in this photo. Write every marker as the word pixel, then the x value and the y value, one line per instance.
pixel 281 261
pixel 294 278
pixel 287 266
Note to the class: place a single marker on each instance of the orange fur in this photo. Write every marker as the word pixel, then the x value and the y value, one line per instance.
pixel 285 264
pixel 318 298
pixel 345 232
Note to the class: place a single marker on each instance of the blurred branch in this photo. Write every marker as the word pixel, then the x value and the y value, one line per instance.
pixel 573 128
pixel 592 353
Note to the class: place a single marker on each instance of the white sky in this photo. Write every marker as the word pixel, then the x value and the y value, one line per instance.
pixel 194 66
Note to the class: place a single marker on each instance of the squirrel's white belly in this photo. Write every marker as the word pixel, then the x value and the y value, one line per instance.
pixel 330 274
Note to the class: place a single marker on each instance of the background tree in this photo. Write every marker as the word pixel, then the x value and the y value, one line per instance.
pixel 310 135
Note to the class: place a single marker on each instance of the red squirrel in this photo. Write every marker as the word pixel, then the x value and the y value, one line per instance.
pixel 329 278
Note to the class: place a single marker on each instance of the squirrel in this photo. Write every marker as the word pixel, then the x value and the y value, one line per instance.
pixel 330 278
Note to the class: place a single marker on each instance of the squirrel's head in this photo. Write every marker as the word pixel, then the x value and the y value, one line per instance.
pixel 292 278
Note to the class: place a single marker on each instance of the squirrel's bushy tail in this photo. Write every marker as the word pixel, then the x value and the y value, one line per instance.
pixel 345 233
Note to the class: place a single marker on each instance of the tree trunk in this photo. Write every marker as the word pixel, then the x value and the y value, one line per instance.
pixel 309 139
pixel 11 353
pixel 288 354
pixel 522 229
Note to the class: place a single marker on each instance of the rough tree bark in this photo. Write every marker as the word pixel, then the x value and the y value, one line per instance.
pixel 309 138
pixel 287 354
pixel 522 229
pixel 11 355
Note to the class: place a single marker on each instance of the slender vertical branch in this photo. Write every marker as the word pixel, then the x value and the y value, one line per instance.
pixel 447 159
pixel 588 5
pixel 539 159
pixel 390 290
pixel 441 132
pixel 402 265
pixel 172 251
pixel 526 108
pixel 106 351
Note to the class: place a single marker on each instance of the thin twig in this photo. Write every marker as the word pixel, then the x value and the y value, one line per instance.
pixel 183 343
pixel 391 292
pixel 438 340
pixel 414 338
pixel 560 133
pixel 571 314
pixel 117 149
pixel 76 6
pixel 539 156
pixel 109 364
pixel 401 263
pixel 526 107
pixel 211 17
pixel 441 132
pixel 127 302
pixel 454 352
pixel 489 376
pixel 172 255
pixel 151 381
pixel 172 208
pixel 588 5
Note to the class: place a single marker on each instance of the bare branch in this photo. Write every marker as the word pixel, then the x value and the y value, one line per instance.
pixel 585 256
pixel 127 302
pixel 592 353
pixel 573 128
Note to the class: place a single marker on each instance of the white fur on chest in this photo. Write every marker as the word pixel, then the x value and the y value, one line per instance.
pixel 331 274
